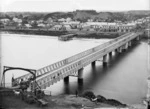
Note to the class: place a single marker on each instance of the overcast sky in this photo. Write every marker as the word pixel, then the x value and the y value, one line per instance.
pixel 71 5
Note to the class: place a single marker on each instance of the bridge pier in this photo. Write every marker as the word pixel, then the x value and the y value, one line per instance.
pixel 110 54
pixel 105 60
pixel 80 75
pixel 129 43
pixel 116 50
pixel 66 79
pixel 76 62
pixel 124 48
pixel 138 38
pixel 120 49
pixel 93 63
pixel 127 46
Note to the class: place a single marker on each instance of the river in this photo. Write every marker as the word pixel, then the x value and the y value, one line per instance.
pixel 124 79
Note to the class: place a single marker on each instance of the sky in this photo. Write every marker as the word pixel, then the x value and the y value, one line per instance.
pixel 72 5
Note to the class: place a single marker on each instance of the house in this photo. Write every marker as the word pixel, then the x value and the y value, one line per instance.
pixel 11 25
pixel 90 20
pixel 147 19
pixel 126 28
pixel 57 27
pixel 62 20
pixel 68 19
pixel 66 27
pixel 27 26
pixel 1 25
pixel 86 27
pixel 39 21
pixel 17 20
pixel 49 20
pixel 4 20
pixel 147 33
pixel 41 25
pixel 73 24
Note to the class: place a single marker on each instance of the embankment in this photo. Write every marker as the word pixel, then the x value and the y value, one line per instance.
pixel 80 34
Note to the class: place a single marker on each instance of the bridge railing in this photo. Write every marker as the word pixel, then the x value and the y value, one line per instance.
pixel 59 64
pixel 52 77
pixel 66 61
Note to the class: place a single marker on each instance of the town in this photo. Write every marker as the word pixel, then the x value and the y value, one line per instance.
pixel 92 73
pixel 73 23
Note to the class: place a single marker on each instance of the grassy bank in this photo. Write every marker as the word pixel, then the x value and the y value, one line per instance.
pixel 35 32
pixel 80 34
pixel 54 102
pixel 12 101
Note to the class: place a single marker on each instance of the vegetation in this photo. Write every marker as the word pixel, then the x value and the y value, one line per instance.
pixel 90 95
pixel 81 15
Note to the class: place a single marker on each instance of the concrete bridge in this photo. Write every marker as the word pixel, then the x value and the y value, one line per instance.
pixel 74 65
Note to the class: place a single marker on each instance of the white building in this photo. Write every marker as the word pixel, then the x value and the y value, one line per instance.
pixel 62 20
pixel 4 20
pixel 41 25
pixel 17 20
pixel 68 19
pixel 66 27
pixel 28 26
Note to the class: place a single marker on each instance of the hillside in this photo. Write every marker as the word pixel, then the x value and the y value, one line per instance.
pixel 81 15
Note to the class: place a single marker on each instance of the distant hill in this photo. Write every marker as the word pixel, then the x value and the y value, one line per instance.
pixel 139 12
pixel 81 15
pixel 92 14
pixel 59 15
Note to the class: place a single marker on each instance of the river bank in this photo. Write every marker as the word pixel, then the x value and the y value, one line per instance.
pixel 63 102
pixel 80 34
pixel 126 79
pixel 55 102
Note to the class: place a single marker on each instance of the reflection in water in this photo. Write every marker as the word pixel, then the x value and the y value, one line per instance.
pixel 123 79
pixel 66 87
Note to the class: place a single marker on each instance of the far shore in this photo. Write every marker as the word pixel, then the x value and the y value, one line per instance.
pixel 79 34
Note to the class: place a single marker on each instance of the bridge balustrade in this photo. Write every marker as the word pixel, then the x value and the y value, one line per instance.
pixel 81 64
pixel 51 74
pixel 64 62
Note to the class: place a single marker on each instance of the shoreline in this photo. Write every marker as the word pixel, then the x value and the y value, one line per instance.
pixel 64 101
pixel 80 34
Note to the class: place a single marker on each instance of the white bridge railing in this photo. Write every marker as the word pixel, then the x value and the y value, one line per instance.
pixel 50 74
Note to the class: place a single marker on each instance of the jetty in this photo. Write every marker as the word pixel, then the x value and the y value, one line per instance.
pixel 66 37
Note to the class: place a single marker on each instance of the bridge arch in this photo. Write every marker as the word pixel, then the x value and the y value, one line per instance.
pixel 8 68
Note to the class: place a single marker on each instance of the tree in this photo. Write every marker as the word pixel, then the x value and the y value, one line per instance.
pixel 24 21
pixel 34 24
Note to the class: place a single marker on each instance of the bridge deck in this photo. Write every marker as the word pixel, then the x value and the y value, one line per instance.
pixel 51 74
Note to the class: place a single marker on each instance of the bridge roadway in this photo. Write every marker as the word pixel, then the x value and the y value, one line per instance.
pixel 74 65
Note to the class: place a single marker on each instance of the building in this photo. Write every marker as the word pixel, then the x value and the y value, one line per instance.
pixel 41 25
pixel 4 20
pixel 147 33
pixel 62 20
pixel 73 24
pixel 68 19
pixel 66 27
pixel 17 20
pixel 27 26
pixel 127 27
pixel 57 27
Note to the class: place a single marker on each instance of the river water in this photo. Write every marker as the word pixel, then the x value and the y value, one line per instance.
pixel 124 79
